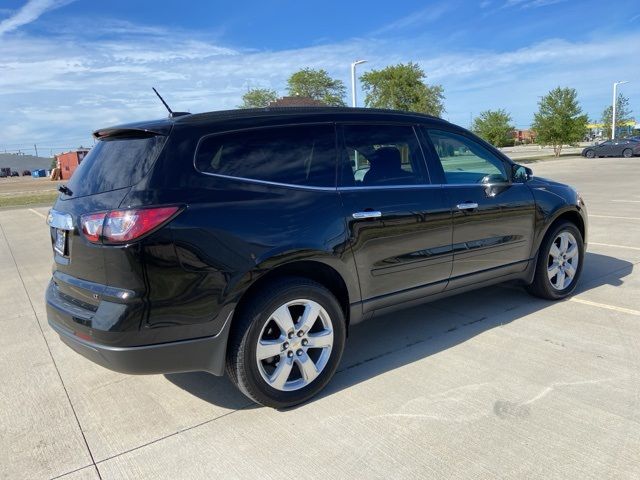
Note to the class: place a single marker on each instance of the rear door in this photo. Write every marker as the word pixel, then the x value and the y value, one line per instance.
pixel 493 218
pixel 399 223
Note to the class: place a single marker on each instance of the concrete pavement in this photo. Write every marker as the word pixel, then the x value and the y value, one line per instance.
pixel 489 384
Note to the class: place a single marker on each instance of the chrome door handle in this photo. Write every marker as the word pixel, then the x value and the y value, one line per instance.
pixel 367 214
pixel 467 206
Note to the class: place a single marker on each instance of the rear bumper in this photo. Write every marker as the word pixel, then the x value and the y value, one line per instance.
pixel 201 354
pixel 198 354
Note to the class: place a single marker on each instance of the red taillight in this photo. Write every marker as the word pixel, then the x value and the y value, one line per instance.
pixel 92 226
pixel 123 226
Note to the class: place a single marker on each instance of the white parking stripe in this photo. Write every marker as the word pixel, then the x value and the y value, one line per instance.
pixel 614 246
pixel 606 306
pixel 611 216
pixel 37 213
pixel 626 201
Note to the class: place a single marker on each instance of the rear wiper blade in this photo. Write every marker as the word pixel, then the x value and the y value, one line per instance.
pixel 64 189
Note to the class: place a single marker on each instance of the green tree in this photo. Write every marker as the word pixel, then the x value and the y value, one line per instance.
pixel 559 119
pixel 258 98
pixel 402 87
pixel 317 84
pixel 623 115
pixel 494 126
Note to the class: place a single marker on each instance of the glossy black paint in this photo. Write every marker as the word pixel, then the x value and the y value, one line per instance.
pixel 185 280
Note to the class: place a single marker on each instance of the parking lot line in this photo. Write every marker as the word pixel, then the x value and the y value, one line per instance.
pixel 606 306
pixel 614 246
pixel 611 216
pixel 626 201
pixel 37 213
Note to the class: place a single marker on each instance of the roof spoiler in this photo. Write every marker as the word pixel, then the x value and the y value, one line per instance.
pixel 130 132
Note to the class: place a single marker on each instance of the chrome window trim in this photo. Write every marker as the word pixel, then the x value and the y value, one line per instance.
pixel 352 189
pixel 267 182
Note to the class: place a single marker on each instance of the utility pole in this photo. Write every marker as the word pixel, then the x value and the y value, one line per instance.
pixel 353 81
pixel 613 112
pixel 36 148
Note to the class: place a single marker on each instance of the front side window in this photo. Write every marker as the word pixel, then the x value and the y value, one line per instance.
pixel 296 155
pixel 381 155
pixel 465 161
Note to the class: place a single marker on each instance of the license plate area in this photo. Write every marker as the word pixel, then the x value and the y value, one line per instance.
pixel 60 243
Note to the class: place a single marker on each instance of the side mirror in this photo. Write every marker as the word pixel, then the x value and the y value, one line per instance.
pixel 522 174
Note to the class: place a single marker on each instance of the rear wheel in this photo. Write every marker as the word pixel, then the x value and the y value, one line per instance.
pixel 559 264
pixel 627 153
pixel 590 154
pixel 286 343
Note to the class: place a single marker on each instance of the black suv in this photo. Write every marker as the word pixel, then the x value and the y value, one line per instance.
pixel 244 240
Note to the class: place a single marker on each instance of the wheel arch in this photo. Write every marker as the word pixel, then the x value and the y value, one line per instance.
pixel 312 269
pixel 570 215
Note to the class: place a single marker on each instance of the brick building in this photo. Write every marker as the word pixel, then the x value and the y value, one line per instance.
pixel 69 161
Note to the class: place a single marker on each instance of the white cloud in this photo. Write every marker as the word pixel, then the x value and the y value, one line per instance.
pixel 60 89
pixel 30 12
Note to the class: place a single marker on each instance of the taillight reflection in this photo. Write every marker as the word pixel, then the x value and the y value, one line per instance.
pixel 124 226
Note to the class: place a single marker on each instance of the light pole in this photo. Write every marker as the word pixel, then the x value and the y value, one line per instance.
pixel 613 113
pixel 353 81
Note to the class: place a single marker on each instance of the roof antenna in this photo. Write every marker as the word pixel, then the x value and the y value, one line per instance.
pixel 172 114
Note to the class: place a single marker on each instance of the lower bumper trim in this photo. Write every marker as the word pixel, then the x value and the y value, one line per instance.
pixel 200 354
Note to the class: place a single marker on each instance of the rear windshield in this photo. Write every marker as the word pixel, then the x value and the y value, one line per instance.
pixel 115 162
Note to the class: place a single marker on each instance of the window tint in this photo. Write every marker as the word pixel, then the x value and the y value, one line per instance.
pixel 114 163
pixel 379 155
pixel 466 161
pixel 297 155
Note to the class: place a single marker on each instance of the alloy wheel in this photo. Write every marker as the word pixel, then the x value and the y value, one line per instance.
pixel 294 345
pixel 563 260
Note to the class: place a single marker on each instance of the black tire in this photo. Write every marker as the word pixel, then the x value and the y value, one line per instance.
pixel 627 153
pixel 541 286
pixel 590 154
pixel 242 365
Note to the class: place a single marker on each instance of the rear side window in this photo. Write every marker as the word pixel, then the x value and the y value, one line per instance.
pixel 381 155
pixel 114 163
pixel 295 155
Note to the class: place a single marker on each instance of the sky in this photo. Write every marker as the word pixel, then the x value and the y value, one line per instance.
pixel 69 67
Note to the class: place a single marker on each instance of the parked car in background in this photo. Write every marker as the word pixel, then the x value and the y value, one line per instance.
pixel 26 173
pixel 15 173
pixel 613 148
pixel 246 241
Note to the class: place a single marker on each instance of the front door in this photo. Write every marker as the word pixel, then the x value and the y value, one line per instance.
pixel 399 223
pixel 493 218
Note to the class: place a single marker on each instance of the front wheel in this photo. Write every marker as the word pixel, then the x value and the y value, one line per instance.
pixel 590 154
pixel 286 343
pixel 627 153
pixel 559 264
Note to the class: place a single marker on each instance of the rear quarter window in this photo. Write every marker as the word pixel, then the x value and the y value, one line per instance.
pixel 115 162
pixel 294 155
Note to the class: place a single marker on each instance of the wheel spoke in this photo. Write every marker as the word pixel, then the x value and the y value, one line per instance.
pixel 309 317
pixel 572 252
pixel 307 367
pixel 560 280
pixel 320 340
pixel 281 373
pixel 554 251
pixel 553 270
pixel 282 317
pixel 269 348
pixel 564 242
pixel 569 271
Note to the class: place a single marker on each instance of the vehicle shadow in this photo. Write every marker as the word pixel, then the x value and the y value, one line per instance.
pixel 390 341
